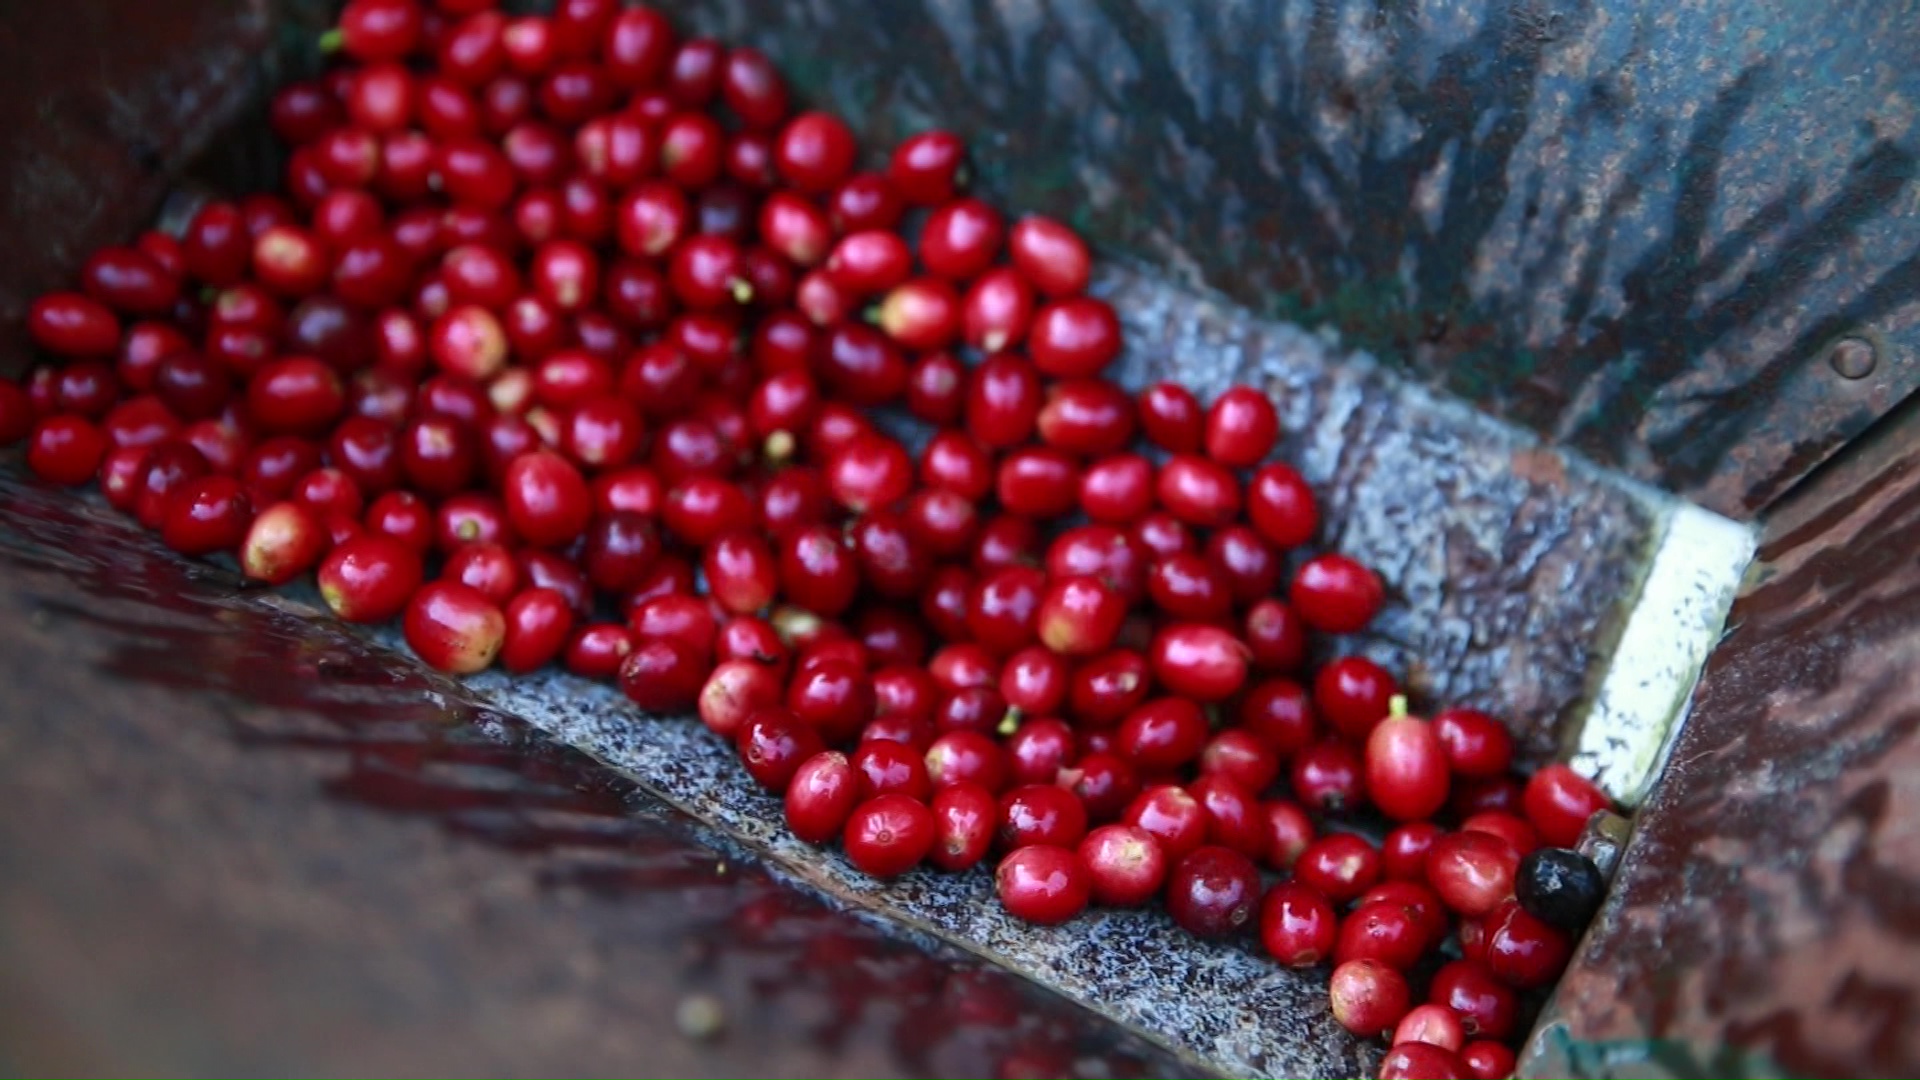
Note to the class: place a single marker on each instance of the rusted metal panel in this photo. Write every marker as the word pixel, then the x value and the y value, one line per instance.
pixel 101 102
pixel 1634 227
pixel 1766 908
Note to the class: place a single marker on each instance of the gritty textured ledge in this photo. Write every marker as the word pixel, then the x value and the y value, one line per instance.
pixel 1224 1005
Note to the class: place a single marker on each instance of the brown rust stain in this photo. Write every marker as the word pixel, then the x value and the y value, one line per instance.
pixel 1541 466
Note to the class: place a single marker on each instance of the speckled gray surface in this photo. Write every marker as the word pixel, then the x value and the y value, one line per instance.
pixel 1510 566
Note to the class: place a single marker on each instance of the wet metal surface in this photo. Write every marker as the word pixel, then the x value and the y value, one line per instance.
pixel 240 842
pixel 1223 1003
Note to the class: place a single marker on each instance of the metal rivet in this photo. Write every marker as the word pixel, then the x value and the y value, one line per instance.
pixel 1853 357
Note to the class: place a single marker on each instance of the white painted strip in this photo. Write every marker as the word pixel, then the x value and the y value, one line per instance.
pixel 1675 624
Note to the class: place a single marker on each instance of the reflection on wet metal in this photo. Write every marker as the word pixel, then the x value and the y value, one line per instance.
pixel 147 673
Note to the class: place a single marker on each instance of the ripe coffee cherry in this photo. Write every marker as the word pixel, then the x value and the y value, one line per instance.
pixel 1422 1061
pixel 1043 884
pixel 1041 814
pixel 1213 892
pixel 284 541
pixel 753 89
pixel 815 153
pixel 1434 1025
pixel 1353 694
pixel 1487 1007
pixel 929 168
pixel 1163 734
pixel 1075 338
pixel 964 814
pixel 546 498
pixel 1204 663
pixel 208 514
pixel 1507 826
pixel 773 744
pixel 1297 924
pixel 1477 746
pixel 1559 801
pixel 1289 833
pixel 1079 616
pixel 539 622
pixel 1241 427
pixel 1369 998
pixel 66 450
pixel 1050 255
pixel 1472 871
pixel 1381 930
pixel 881 766
pixel 1281 506
pixel 1340 865
pixel 1336 594
pixel 369 578
pixel 1125 865
pixel 662 674
pixel 1406 766
pixel 1200 492
pixel 1171 417
pixel 454 627
pixel 1487 1060
pixel 1522 951
pixel 1171 816
pixel 888 835
pixel 1403 854
pixel 737 690
pixel 1105 782
pixel 961 239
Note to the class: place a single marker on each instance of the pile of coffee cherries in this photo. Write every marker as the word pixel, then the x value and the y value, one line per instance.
pixel 570 341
